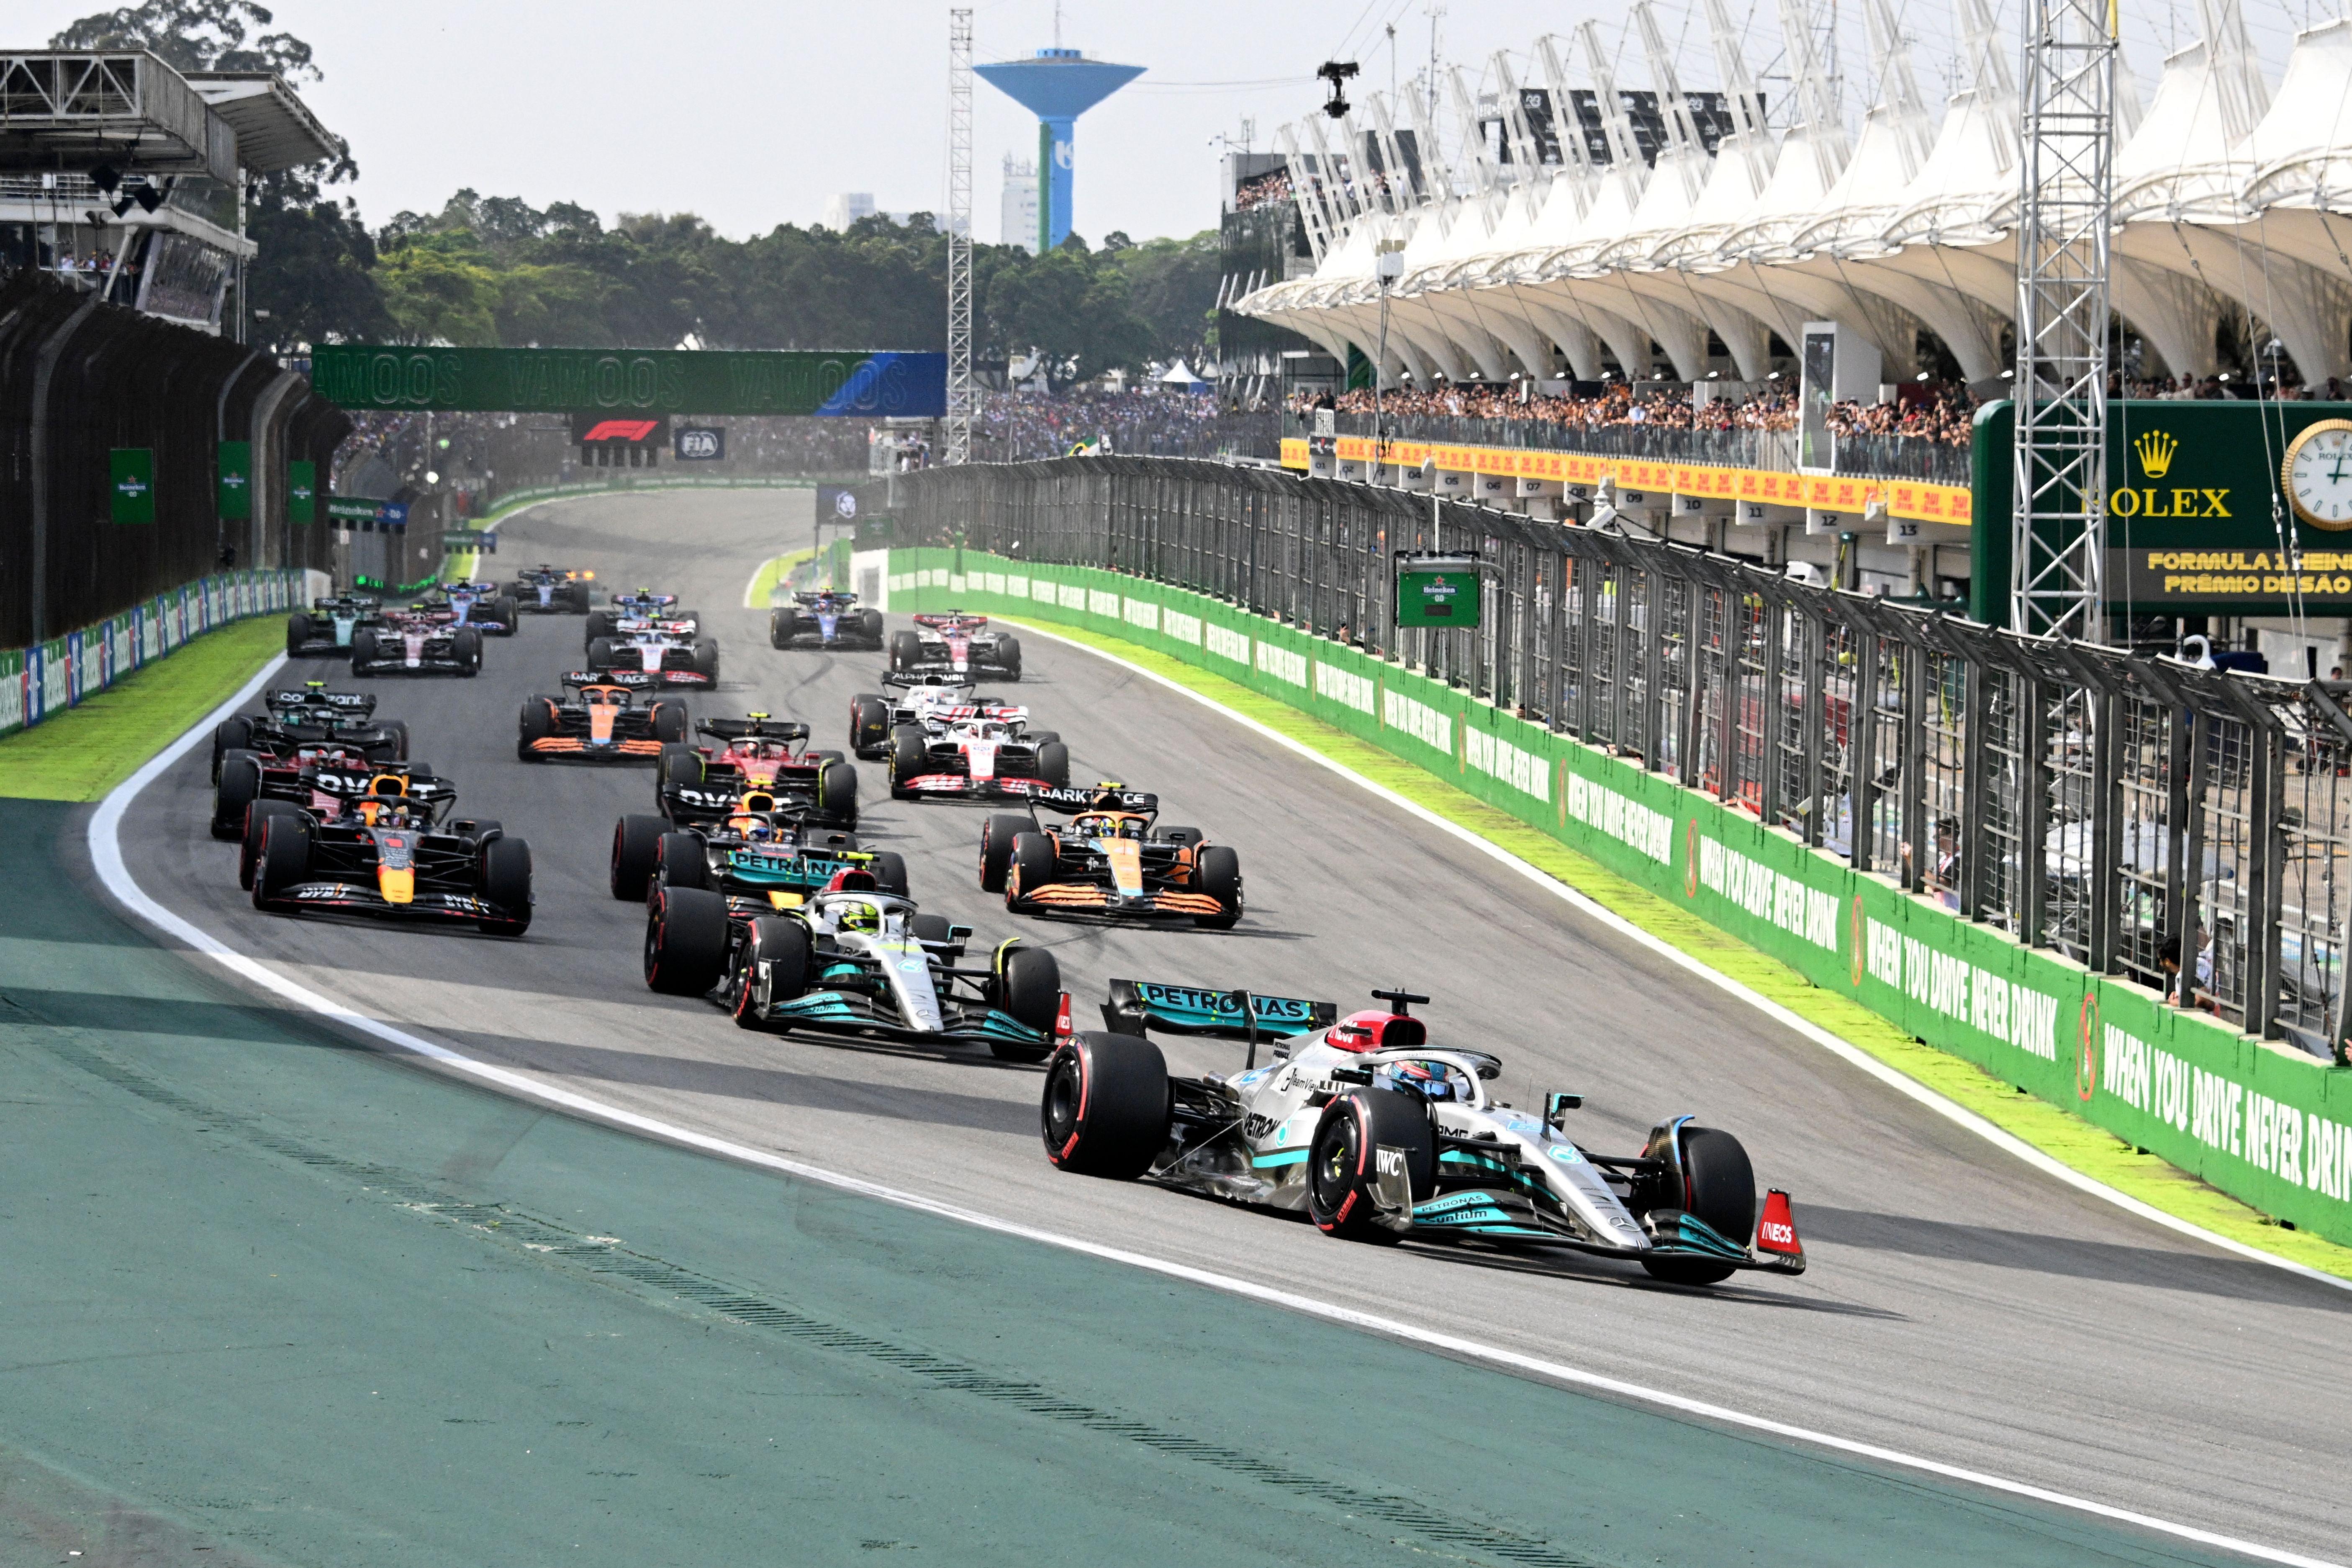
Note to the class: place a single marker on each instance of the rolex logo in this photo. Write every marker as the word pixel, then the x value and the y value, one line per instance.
pixel 2154 450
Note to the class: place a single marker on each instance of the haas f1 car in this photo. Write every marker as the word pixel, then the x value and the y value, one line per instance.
pixel 603 719
pixel 930 702
pixel 327 628
pixel 977 758
pixel 701 784
pixel 546 590
pixel 480 605
pixel 670 649
pixel 419 640
pixel 642 611
pixel 1110 859
pixel 955 643
pixel 1377 1135
pixel 825 619
pixel 373 842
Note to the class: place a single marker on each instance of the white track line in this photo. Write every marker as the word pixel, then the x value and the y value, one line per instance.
pixel 2008 1143
pixel 105 855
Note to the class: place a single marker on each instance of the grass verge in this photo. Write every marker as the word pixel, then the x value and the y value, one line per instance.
pixel 86 751
pixel 772 571
pixel 2069 1140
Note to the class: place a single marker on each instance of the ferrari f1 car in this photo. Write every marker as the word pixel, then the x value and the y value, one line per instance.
pixel 700 783
pixel 603 721
pixel 977 758
pixel 857 961
pixel 480 605
pixel 308 716
pixel 327 628
pixel 932 702
pixel 1110 859
pixel 1377 1135
pixel 833 619
pixel 373 842
pixel 419 640
pixel 642 611
pixel 955 643
pixel 546 590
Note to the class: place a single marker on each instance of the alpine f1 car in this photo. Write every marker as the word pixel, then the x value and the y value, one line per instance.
pixel 700 783
pixel 831 619
pixel 480 605
pixel 419 640
pixel 977 758
pixel 326 629
pixel 603 721
pixel 857 961
pixel 373 842
pixel 1377 1135
pixel 761 854
pixel 308 716
pixel 930 702
pixel 955 643
pixel 642 611
pixel 546 590
pixel 1110 859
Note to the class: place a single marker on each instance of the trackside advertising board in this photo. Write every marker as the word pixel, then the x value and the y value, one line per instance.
pixel 2269 1125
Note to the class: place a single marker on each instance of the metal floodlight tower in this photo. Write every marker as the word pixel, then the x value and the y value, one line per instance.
pixel 1057 86
pixel 2058 524
pixel 963 397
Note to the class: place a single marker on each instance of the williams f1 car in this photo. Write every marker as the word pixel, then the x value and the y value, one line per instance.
pixel 419 640
pixel 553 591
pixel 978 759
pixel 480 605
pixel 930 702
pixel 308 716
pixel 955 643
pixel 1377 1135
pixel 832 619
pixel 1110 859
pixel 699 783
pixel 327 628
pixel 373 843
pixel 603 721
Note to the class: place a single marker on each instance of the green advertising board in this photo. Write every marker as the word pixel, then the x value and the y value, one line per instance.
pixel 301 492
pixel 235 488
pixel 2196 510
pixel 131 474
pixel 857 383
pixel 1437 590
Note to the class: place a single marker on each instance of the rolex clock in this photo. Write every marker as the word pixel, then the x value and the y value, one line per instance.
pixel 2317 474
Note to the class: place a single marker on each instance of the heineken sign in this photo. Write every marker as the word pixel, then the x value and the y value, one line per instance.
pixel 851 384
pixel 301 492
pixel 235 497
pixel 131 474
pixel 1436 590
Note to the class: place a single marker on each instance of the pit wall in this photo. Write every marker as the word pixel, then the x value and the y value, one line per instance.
pixel 2269 1126
pixel 51 677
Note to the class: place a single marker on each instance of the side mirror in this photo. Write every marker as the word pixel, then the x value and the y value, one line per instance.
pixel 958 933
pixel 1558 1106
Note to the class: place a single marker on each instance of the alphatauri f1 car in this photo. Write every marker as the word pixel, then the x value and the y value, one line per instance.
pixel 830 618
pixel 419 640
pixel 700 783
pixel 1377 1135
pixel 955 643
pixel 372 842
pixel 553 591
pixel 603 721
pixel 1110 859
pixel 327 628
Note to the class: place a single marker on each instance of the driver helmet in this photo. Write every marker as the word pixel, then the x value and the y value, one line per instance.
pixel 860 916
pixel 1431 1080
pixel 759 830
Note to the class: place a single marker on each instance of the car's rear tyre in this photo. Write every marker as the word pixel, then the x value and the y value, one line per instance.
pixel 505 878
pixel 396 732
pixel 1342 1163
pixel 1029 987
pixel 1054 764
pixel 1008 657
pixel 679 862
pixel 672 721
pixel 836 792
pixel 600 652
pixel 783 626
pixel 906 650
pixel 869 725
pixel 505 611
pixel 996 837
pixel 233 734
pixel 1034 864
pixel 1719 1191
pixel 239 786
pixel 297 632
pixel 535 722
pixel 889 868
pixel 775 969
pixel 283 861
pixel 681 764
pixel 1106 1106
pixel 909 756
pixel 634 840
pixel 248 854
pixel 465 648
pixel 1218 873
pixel 705 657
pixel 364 648
pixel 686 941
pixel 869 627
pixel 600 624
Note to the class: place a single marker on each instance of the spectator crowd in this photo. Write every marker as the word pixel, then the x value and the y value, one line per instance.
pixel 1941 414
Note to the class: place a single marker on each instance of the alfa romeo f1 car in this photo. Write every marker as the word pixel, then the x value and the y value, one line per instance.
pixel 1110 859
pixel 546 590
pixel 932 702
pixel 979 759
pixel 419 640
pixel 1377 1135
pixel 955 643
pixel 327 628
pixel 700 783
pixel 642 611
pixel 373 843
pixel 857 961
pixel 308 716
pixel 603 721
pixel 481 605
pixel 831 619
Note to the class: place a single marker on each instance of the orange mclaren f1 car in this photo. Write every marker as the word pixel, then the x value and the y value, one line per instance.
pixel 1110 859
pixel 606 720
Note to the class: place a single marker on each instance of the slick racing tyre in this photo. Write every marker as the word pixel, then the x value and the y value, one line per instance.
pixel 239 786
pixel 600 653
pixel 889 868
pixel 465 648
pixel 600 624
pixel 504 611
pixel 671 722
pixel 686 941
pixel 502 877
pixel 363 649
pixel 775 969
pixel 869 627
pixel 906 650
pixel 395 748
pixel 836 792
pixel 705 657
pixel 283 859
pixel 1719 1189
pixel 248 854
pixel 297 632
pixel 908 757
pixel 1028 986
pixel 230 735
pixel 869 726
pixel 1106 1106
pixel 1008 657
pixel 678 862
pixel 1054 764
pixel 931 928
pixel 535 722
pixel 679 764
pixel 1218 874
pixel 1342 1165
pixel 783 626
pixel 996 837
pixel 1035 863
pixel 634 840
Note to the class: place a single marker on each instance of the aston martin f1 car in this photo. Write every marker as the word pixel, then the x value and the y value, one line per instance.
pixel 327 628
pixel 419 640
pixel 857 961
pixel 309 716
pixel 831 619
pixel 1110 859
pixel 1377 1135
pixel 978 759
pixel 699 784
pixel 955 643
pixel 546 590
pixel 932 702
pixel 763 854
pixel 603 721
pixel 480 605
pixel 373 843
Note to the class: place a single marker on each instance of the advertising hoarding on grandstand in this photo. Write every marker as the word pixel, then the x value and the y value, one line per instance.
pixel 301 491
pixel 235 496
pixel 853 383
pixel 700 443
pixel 131 474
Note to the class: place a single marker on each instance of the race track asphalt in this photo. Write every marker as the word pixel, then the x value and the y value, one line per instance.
pixel 1960 1306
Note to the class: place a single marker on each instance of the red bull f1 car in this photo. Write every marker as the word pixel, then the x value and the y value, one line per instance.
pixel 326 629
pixel 955 643
pixel 605 719
pixel 374 842
pixel 1379 1135
pixel 1110 858
pixel 699 784
pixel 419 640
pixel 546 590
pixel 480 605
pixel 825 619
pixel 977 758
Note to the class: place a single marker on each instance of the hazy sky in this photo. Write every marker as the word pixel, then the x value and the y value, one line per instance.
pixel 752 114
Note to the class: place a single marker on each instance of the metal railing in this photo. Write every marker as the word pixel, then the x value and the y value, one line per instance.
pixel 2120 810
